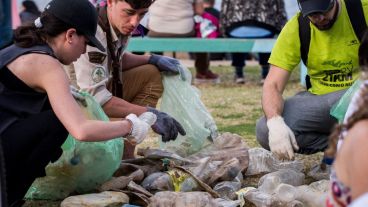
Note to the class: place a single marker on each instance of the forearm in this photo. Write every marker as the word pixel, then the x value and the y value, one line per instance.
pixel 93 130
pixel 119 108
pixel 273 88
pixel 130 60
pixel 272 102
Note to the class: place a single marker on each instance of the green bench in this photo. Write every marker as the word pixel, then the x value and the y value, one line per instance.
pixel 148 44
pixel 199 45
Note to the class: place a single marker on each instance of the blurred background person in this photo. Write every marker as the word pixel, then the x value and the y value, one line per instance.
pixel 213 14
pixel 176 19
pixel 251 19
pixel 29 12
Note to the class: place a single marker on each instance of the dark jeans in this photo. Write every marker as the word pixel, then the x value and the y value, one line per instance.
pixel 29 145
pixel 238 61
pixel 5 23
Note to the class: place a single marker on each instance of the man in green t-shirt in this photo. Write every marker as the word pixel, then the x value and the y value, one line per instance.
pixel 303 123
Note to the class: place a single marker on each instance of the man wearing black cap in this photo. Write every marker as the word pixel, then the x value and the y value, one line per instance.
pixel 123 82
pixel 302 123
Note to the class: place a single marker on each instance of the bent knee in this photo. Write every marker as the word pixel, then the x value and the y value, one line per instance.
pixel 150 71
pixel 262 133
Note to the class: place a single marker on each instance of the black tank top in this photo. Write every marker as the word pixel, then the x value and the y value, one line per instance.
pixel 18 100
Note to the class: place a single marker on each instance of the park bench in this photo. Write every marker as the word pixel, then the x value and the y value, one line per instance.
pixel 147 44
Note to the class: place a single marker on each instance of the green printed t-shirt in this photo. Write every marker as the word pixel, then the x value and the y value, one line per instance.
pixel 333 54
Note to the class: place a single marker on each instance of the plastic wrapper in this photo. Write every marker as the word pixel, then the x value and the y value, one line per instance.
pixel 339 109
pixel 182 101
pixel 83 166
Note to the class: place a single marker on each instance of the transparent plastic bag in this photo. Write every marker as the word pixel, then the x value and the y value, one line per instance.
pixel 83 166
pixel 339 109
pixel 182 101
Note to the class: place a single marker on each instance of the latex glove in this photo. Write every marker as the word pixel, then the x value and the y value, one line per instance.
pixel 168 65
pixel 78 96
pixel 140 126
pixel 166 125
pixel 281 139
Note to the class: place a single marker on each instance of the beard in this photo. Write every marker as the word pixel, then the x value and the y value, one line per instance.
pixel 330 23
pixel 326 26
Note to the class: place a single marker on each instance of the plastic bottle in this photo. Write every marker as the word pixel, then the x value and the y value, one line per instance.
pixel 286 193
pixel 227 189
pixel 268 183
pixel 304 194
pixel 259 198
pixel 320 171
pixel 310 197
pixel 262 161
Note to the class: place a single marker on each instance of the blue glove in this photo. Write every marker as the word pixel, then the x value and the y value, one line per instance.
pixel 167 65
pixel 166 125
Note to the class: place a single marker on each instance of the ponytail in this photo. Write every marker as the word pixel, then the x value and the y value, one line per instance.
pixel 48 26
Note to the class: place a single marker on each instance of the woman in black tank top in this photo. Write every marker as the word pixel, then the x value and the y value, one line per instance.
pixel 37 109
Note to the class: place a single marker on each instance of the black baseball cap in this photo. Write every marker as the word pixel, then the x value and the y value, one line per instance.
pixel 310 6
pixel 80 14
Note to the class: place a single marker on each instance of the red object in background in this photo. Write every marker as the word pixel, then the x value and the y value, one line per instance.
pixel 15 14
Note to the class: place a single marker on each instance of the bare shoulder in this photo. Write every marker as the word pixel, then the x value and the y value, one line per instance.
pixel 37 61
pixel 34 69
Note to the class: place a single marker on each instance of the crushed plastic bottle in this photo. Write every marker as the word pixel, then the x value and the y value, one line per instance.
pixel 321 185
pixel 158 181
pixel 304 194
pixel 320 171
pixel 310 197
pixel 258 198
pixel 286 193
pixel 262 161
pixel 268 183
pixel 227 189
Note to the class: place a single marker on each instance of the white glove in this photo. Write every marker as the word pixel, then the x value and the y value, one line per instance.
pixel 140 126
pixel 281 139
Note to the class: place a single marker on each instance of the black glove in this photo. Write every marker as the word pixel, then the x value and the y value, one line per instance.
pixel 166 125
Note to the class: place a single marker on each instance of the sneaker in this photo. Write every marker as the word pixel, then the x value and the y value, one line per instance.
pixel 239 80
pixel 206 77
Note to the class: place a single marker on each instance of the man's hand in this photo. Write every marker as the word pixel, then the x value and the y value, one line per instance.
pixel 166 126
pixel 165 64
pixel 281 139
pixel 140 126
